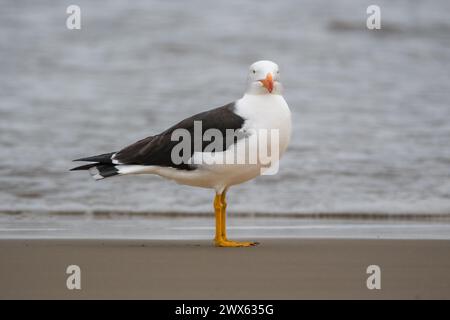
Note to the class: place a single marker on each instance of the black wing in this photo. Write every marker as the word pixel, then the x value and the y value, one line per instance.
pixel 157 150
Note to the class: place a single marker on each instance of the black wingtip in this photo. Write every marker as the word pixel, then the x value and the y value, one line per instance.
pixel 82 159
pixel 84 167
pixel 101 158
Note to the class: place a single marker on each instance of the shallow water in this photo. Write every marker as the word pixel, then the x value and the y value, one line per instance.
pixel 26 226
pixel 370 108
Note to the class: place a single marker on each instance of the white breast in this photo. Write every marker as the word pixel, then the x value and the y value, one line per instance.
pixel 267 112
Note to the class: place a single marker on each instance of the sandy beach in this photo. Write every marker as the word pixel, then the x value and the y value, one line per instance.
pixel 175 269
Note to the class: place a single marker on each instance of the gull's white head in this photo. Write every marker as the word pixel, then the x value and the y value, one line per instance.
pixel 263 78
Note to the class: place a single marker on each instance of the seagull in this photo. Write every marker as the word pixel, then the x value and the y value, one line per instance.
pixel 261 110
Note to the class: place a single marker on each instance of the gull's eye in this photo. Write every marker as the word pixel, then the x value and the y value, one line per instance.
pixel 278 71
pixel 254 71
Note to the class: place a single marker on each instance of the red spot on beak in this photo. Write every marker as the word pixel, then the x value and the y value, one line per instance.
pixel 268 82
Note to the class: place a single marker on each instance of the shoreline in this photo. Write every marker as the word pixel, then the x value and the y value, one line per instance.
pixel 32 226
pixel 436 216
pixel 194 269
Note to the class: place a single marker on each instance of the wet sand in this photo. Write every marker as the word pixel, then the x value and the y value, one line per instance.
pixel 276 269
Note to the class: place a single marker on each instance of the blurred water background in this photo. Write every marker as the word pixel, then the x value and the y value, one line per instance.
pixel 371 109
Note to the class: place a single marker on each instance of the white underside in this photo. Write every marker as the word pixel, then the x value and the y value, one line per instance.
pixel 262 112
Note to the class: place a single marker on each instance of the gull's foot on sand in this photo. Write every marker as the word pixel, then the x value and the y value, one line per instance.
pixel 234 244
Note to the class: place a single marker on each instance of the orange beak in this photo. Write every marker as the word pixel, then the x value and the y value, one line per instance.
pixel 268 82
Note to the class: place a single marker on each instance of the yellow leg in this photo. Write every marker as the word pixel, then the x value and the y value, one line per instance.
pixel 221 240
pixel 223 214
pixel 218 213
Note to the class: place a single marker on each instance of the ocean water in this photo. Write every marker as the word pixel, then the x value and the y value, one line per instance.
pixel 371 109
